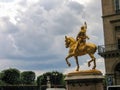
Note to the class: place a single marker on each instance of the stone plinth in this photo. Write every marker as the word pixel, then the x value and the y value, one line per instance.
pixel 84 80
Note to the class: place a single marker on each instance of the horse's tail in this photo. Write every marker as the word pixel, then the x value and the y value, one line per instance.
pixel 95 48
pixel 92 47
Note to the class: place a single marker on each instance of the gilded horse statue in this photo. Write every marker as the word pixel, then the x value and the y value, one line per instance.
pixel 87 48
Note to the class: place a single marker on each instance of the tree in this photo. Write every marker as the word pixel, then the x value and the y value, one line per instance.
pixel 56 79
pixel 27 77
pixel 10 76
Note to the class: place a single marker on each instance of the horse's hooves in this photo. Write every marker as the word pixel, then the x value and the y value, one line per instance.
pixel 94 67
pixel 77 69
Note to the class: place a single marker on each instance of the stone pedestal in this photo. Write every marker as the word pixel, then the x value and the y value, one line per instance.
pixel 84 80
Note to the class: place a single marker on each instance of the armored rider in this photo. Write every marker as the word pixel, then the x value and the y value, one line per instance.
pixel 81 37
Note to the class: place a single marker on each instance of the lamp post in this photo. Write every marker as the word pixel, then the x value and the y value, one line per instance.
pixel 55 74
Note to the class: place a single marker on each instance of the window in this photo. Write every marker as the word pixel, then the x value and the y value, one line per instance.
pixel 117 28
pixel 119 44
pixel 117 36
pixel 117 6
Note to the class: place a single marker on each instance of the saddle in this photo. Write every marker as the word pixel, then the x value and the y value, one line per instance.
pixel 80 47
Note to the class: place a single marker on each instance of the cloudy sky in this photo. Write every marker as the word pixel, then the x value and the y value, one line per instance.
pixel 32 33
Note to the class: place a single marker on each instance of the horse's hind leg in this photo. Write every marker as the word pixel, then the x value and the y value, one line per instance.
pixel 94 63
pixel 93 59
pixel 76 58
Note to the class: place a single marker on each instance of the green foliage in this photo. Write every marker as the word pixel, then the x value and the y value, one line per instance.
pixel 14 77
pixel 28 77
pixel 56 78
pixel 10 76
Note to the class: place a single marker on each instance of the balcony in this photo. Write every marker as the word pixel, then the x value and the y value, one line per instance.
pixel 108 51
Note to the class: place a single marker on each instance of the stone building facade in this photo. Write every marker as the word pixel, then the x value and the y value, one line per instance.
pixel 111 50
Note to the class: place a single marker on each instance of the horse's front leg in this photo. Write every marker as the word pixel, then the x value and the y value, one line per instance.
pixel 76 58
pixel 68 63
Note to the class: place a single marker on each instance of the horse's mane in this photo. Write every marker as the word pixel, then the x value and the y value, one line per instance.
pixel 72 39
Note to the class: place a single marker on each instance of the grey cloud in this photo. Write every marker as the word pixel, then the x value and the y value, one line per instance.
pixel 32 42
pixel 76 7
pixel 7 26
pixel 6 1
pixel 63 20
pixel 51 4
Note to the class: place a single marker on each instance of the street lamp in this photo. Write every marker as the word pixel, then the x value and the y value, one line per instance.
pixel 55 74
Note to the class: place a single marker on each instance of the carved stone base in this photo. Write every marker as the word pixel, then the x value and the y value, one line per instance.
pixel 84 80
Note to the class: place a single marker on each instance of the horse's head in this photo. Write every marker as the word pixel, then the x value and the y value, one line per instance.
pixel 68 41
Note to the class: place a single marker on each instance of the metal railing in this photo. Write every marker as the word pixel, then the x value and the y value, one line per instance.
pixel 108 48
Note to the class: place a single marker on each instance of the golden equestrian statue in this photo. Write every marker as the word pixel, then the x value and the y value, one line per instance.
pixel 79 47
